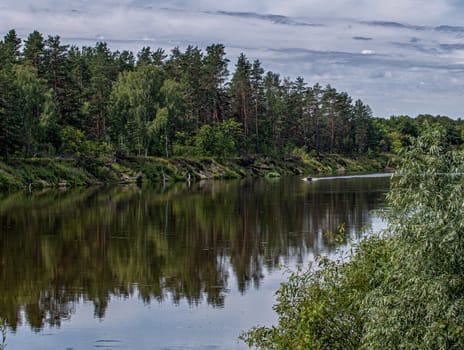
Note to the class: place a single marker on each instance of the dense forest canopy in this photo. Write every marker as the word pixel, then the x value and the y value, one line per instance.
pixel 57 99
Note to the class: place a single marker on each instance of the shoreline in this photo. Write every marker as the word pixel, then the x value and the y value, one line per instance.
pixel 39 173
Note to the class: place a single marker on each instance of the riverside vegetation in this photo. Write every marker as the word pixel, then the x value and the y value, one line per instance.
pixel 57 172
pixel 401 289
pixel 74 116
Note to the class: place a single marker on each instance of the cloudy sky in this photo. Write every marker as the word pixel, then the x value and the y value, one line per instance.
pixel 398 56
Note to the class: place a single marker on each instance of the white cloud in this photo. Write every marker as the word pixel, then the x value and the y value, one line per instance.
pixel 367 52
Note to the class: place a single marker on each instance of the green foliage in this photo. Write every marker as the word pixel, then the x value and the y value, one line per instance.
pixel 337 237
pixel 49 130
pixel 73 141
pixel 42 172
pixel 34 49
pixel 206 141
pixel 134 102
pixel 11 121
pixel 8 182
pixel 365 137
pixel 300 152
pixel 272 174
pixel 157 173
pixel 421 302
pixel 222 140
pixel 10 49
pixel 184 145
pixel 321 307
pixel 34 101
pixel 401 290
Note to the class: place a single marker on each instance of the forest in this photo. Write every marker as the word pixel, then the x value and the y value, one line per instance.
pixel 59 100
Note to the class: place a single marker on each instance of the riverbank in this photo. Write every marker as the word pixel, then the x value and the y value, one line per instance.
pixel 34 173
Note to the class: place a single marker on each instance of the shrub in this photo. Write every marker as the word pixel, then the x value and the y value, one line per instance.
pixel 222 140
pixel 402 289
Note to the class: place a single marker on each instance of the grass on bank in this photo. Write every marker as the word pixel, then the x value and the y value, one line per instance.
pixel 17 174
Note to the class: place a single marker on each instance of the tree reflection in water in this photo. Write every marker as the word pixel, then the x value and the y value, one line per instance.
pixel 61 248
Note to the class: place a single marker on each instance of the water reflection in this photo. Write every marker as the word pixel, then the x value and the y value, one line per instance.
pixel 59 249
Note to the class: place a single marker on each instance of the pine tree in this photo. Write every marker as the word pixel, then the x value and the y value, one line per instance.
pixel 103 70
pixel 240 93
pixel 215 75
pixel 257 97
pixel 58 74
pixel 192 79
pixel 274 112
pixel 314 102
pixel 34 51
pixel 10 114
pixel 10 48
pixel 363 130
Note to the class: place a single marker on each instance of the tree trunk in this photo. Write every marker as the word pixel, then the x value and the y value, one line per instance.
pixel 166 144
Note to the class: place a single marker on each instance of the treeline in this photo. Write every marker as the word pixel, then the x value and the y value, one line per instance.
pixel 58 99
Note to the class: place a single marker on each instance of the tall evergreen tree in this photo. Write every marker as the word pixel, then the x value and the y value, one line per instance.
pixel 363 129
pixel 174 65
pixel 344 124
pixel 125 61
pixel 240 93
pixel 144 57
pixel 257 97
pixel 215 76
pixel 275 111
pixel 296 116
pixel 314 102
pixel 10 48
pixel 34 51
pixel 192 79
pixel 58 73
pixel 148 57
pixel 10 114
pixel 329 108
pixel 55 63
pixel 103 70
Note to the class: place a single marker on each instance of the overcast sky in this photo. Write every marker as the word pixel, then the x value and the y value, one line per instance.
pixel 398 56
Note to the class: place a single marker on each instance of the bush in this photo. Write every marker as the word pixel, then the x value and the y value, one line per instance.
pixel 272 174
pixel 73 141
pixel 222 140
pixel 402 289
pixel 300 152
pixel 322 307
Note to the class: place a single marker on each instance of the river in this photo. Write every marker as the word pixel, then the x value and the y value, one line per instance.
pixel 186 267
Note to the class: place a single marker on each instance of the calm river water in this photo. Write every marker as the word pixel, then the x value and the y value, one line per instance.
pixel 181 268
